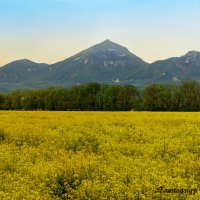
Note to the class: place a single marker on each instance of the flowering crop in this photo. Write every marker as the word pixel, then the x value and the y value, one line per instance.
pixel 99 155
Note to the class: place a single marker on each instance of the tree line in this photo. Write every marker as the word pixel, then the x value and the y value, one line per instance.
pixel 105 97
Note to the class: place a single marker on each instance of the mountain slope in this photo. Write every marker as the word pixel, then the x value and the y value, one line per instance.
pixel 175 69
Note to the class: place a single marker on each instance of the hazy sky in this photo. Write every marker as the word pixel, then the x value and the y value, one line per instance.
pixel 52 30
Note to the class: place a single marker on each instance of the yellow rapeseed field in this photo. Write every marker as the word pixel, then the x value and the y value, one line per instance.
pixel 99 155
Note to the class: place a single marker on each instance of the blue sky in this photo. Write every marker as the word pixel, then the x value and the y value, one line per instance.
pixel 52 30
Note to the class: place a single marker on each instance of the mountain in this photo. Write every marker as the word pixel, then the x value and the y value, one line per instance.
pixel 106 62
pixel 176 69
pixel 22 74
pixel 22 70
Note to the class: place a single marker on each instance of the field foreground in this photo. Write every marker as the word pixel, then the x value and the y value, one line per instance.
pixel 99 155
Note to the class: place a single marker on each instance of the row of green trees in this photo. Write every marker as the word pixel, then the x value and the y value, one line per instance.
pixel 97 97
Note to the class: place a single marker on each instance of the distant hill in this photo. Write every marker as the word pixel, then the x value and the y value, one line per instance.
pixel 22 70
pixel 22 74
pixel 106 62
pixel 176 69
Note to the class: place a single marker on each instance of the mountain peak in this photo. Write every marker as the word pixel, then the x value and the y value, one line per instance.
pixel 20 62
pixel 107 42
pixel 192 56
pixel 107 45
pixel 192 53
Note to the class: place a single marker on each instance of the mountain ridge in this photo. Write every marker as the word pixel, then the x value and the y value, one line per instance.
pixel 104 63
